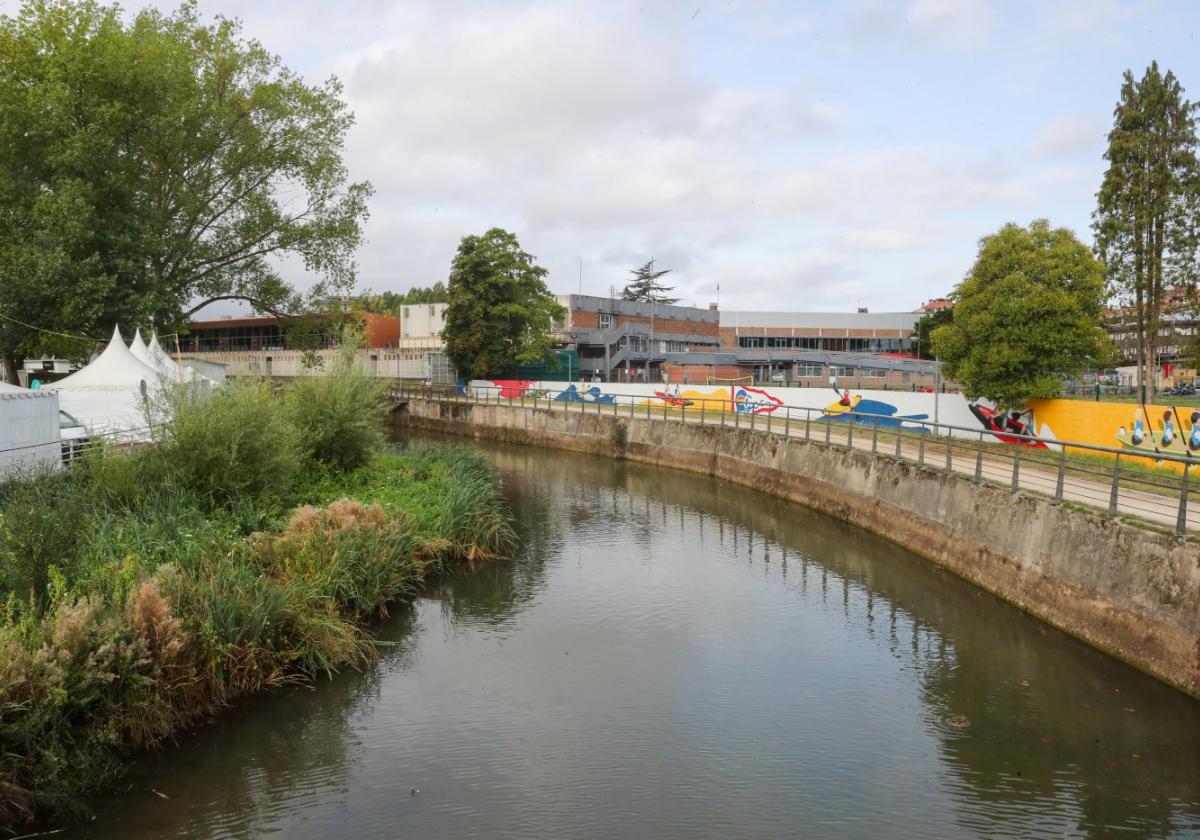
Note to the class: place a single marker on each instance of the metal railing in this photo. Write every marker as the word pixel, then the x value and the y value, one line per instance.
pixel 1116 481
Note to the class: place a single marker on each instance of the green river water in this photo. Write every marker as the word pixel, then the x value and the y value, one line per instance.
pixel 672 656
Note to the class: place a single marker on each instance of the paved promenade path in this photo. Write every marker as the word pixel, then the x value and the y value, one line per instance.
pixel 1150 498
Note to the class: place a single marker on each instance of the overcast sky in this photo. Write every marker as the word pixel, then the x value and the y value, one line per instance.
pixel 801 157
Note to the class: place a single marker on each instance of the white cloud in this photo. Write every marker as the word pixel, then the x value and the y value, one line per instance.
pixel 1069 135
pixel 956 23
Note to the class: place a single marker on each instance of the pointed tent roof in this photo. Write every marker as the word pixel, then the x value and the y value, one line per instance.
pixel 139 349
pixel 116 368
pixel 163 362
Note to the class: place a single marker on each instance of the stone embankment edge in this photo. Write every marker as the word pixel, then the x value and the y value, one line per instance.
pixel 1128 591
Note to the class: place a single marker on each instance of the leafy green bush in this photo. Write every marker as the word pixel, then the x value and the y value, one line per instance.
pixel 235 443
pixel 339 416
pixel 43 520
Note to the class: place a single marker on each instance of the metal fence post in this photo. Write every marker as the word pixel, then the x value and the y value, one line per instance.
pixel 875 439
pixel 737 418
pixel 702 403
pixel 898 439
pixel 949 452
pixel 828 426
pixel 979 460
pixel 1181 522
pixel 752 419
pixel 850 433
pixel 1062 473
pixel 921 450
pixel 787 421
pixel 1016 475
pixel 1112 499
pixel 807 423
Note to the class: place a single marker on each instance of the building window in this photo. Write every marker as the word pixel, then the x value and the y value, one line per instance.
pixel 841 370
pixel 751 341
pixel 809 369
pixel 606 320
pixel 875 373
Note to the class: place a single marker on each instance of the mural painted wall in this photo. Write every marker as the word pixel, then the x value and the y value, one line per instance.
pixel 894 409
pixel 1151 429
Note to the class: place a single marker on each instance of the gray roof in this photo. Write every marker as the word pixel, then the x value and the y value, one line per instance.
pixel 822 357
pixel 748 321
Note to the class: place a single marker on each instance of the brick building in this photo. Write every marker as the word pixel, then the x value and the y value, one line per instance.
pixel 628 341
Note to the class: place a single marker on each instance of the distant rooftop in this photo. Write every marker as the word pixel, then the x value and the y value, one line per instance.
pixel 819 320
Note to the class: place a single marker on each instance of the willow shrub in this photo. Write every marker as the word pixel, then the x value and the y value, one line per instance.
pixel 237 442
pixel 339 416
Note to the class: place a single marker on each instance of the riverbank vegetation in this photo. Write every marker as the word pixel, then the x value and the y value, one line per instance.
pixel 145 589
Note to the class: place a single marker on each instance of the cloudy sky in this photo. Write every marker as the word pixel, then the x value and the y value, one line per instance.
pixel 802 157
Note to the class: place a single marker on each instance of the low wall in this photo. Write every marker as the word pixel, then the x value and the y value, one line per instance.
pixel 1132 593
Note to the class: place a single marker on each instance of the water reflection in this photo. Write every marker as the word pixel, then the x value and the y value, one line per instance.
pixel 676 656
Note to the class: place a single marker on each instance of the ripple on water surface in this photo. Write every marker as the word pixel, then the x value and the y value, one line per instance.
pixel 675 657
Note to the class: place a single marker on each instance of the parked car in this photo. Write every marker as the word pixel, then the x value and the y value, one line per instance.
pixel 74 437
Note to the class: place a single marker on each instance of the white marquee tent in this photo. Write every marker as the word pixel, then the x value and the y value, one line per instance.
pixel 109 394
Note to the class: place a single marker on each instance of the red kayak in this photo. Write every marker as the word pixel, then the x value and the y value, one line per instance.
pixel 671 400
pixel 1004 427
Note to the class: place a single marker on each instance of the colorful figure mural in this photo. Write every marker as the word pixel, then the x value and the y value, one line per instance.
pixel 868 413
pixel 572 394
pixel 748 400
pixel 1001 422
pixel 1171 435
pixel 512 389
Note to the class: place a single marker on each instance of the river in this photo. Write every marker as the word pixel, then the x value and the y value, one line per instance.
pixel 673 656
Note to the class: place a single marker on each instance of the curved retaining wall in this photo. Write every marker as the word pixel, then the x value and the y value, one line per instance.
pixel 1132 593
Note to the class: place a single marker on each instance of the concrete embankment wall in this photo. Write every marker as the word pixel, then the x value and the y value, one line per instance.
pixel 1130 592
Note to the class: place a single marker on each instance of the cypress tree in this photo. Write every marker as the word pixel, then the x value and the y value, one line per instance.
pixel 1146 214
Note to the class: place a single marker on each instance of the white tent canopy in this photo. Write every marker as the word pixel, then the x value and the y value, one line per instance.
pixel 140 351
pixel 108 395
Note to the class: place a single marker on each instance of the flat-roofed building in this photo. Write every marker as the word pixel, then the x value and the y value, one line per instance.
pixel 627 341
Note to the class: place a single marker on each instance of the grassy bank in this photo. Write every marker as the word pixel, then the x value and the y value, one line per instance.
pixel 143 590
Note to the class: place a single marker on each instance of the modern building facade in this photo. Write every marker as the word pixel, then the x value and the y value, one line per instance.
pixel 628 341
pixel 856 349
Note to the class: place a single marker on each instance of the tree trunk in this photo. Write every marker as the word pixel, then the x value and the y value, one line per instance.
pixel 11 365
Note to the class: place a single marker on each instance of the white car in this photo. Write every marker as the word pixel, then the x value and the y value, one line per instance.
pixel 74 437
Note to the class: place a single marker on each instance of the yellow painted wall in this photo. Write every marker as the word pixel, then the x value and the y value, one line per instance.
pixel 1099 422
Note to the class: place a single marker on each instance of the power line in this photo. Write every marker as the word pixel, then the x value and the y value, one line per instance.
pixel 51 332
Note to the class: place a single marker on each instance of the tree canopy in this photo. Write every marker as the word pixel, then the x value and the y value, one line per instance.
pixel 1148 206
pixel 500 313
pixel 1028 314
pixel 390 302
pixel 152 165
pixel 926 324
pixel 645 285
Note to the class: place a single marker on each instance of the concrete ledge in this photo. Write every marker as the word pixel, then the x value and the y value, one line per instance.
pixel 1130 592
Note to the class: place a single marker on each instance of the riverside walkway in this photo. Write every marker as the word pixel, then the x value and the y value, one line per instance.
pixel 1143 489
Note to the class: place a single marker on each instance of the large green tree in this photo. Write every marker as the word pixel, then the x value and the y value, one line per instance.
pixel 153 164
pixel 926 324
pixel 1146 214
pixel 1028 314
pixel 646 285
pixel 500 313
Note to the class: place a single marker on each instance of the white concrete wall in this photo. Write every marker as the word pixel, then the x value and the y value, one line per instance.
pixel 904 406
pixel 422 320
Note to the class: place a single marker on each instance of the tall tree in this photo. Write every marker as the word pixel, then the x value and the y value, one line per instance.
pixel 1028 314
pixel 500 313
pixel 150 166
pixel 645 285
pixel 926 324
pixel 1146 214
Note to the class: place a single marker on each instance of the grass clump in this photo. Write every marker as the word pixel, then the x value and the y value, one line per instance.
pixel 145 589
pixel 339 416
